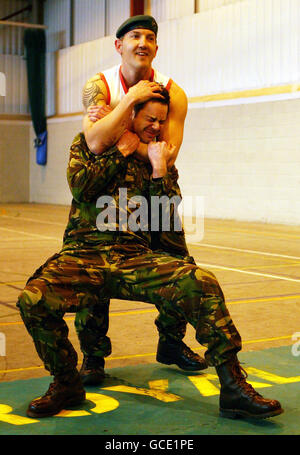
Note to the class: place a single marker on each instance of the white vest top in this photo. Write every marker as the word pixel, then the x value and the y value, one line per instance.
pixel 116 86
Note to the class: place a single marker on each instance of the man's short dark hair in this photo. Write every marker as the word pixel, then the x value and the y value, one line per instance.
pixel 165 100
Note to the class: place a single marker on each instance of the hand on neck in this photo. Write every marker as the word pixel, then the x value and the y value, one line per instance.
pixel 132 76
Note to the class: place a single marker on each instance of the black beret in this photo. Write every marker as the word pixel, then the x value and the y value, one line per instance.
pixel 141 21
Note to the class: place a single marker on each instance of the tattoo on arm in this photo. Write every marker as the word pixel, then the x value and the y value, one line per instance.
pixel 91 94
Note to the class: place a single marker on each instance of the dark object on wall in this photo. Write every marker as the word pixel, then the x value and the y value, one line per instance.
pixel 35 55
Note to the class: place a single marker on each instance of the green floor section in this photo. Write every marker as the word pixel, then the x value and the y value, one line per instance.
pixel 160 400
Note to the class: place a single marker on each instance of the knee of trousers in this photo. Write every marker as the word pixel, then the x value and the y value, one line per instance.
pixel 29 299
pixel 205 282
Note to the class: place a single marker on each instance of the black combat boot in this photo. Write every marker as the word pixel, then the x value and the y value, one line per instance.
pixel 179 354
pixel 66 390
pixel 92 370
pixel 238 398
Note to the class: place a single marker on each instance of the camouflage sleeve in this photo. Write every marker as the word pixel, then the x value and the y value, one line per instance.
pixel 88 174
pixel 169 236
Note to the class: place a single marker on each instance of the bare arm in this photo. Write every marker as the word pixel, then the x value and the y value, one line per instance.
pixel 106 131
pixel 172 132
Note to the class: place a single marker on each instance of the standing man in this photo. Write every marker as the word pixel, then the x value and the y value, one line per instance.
pixel 110 97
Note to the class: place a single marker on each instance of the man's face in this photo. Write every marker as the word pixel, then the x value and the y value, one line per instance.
pixel 149 121
pixel 137 47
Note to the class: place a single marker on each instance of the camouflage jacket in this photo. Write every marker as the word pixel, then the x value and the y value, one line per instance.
pixel 111 203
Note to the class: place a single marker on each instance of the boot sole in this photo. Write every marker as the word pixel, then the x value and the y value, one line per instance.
pixel 166 361
pixel 68 403
pixel 239 414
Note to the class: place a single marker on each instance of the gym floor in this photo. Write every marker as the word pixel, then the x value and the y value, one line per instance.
pixel 256 264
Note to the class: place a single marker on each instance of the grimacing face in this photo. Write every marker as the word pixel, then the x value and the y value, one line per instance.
pixel 137 47
pixel 149 121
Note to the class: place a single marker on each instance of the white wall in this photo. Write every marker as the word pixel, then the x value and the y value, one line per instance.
pixel 57 18
pixel 244 160
pixel 164 10
pixel 48 184
pixel 14 160
pixel 76 65
pixel 15 100
pixel 204 5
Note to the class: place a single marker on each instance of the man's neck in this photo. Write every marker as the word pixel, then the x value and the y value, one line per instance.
pixel 132 76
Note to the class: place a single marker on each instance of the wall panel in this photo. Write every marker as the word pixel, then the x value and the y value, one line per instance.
pixel 11 38
pixel 117 11
pixel 57 18
pixel 204 5
pixel 89 20
pixel 15 100
pixel 76 65
pixel 164 10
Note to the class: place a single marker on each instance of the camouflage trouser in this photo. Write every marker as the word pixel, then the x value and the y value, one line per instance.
pixel 92 325
pixel 72 281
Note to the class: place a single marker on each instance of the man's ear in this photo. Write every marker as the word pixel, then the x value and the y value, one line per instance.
pixel 156 50
pixel 119 46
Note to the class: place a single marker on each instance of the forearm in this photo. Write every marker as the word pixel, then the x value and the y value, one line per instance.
pixel 142 152
pixel 107 131
pixel 172 135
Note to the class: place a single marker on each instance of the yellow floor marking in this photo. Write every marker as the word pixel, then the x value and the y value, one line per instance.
pixel 258 385
pixel 13 419
pixel 207 389
pixel 102 403
pixel 265 299
pixel 203 384
pixel 16 370
pixel 272 377
pixel 154 393
pixel 262 340
pixel 159 384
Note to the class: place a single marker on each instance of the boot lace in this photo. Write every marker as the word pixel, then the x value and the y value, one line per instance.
pixel 51 389
pixel 241 375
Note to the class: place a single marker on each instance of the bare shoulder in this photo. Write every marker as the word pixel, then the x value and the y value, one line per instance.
pixel 178 99
pixel 94 92
pixel 178 96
